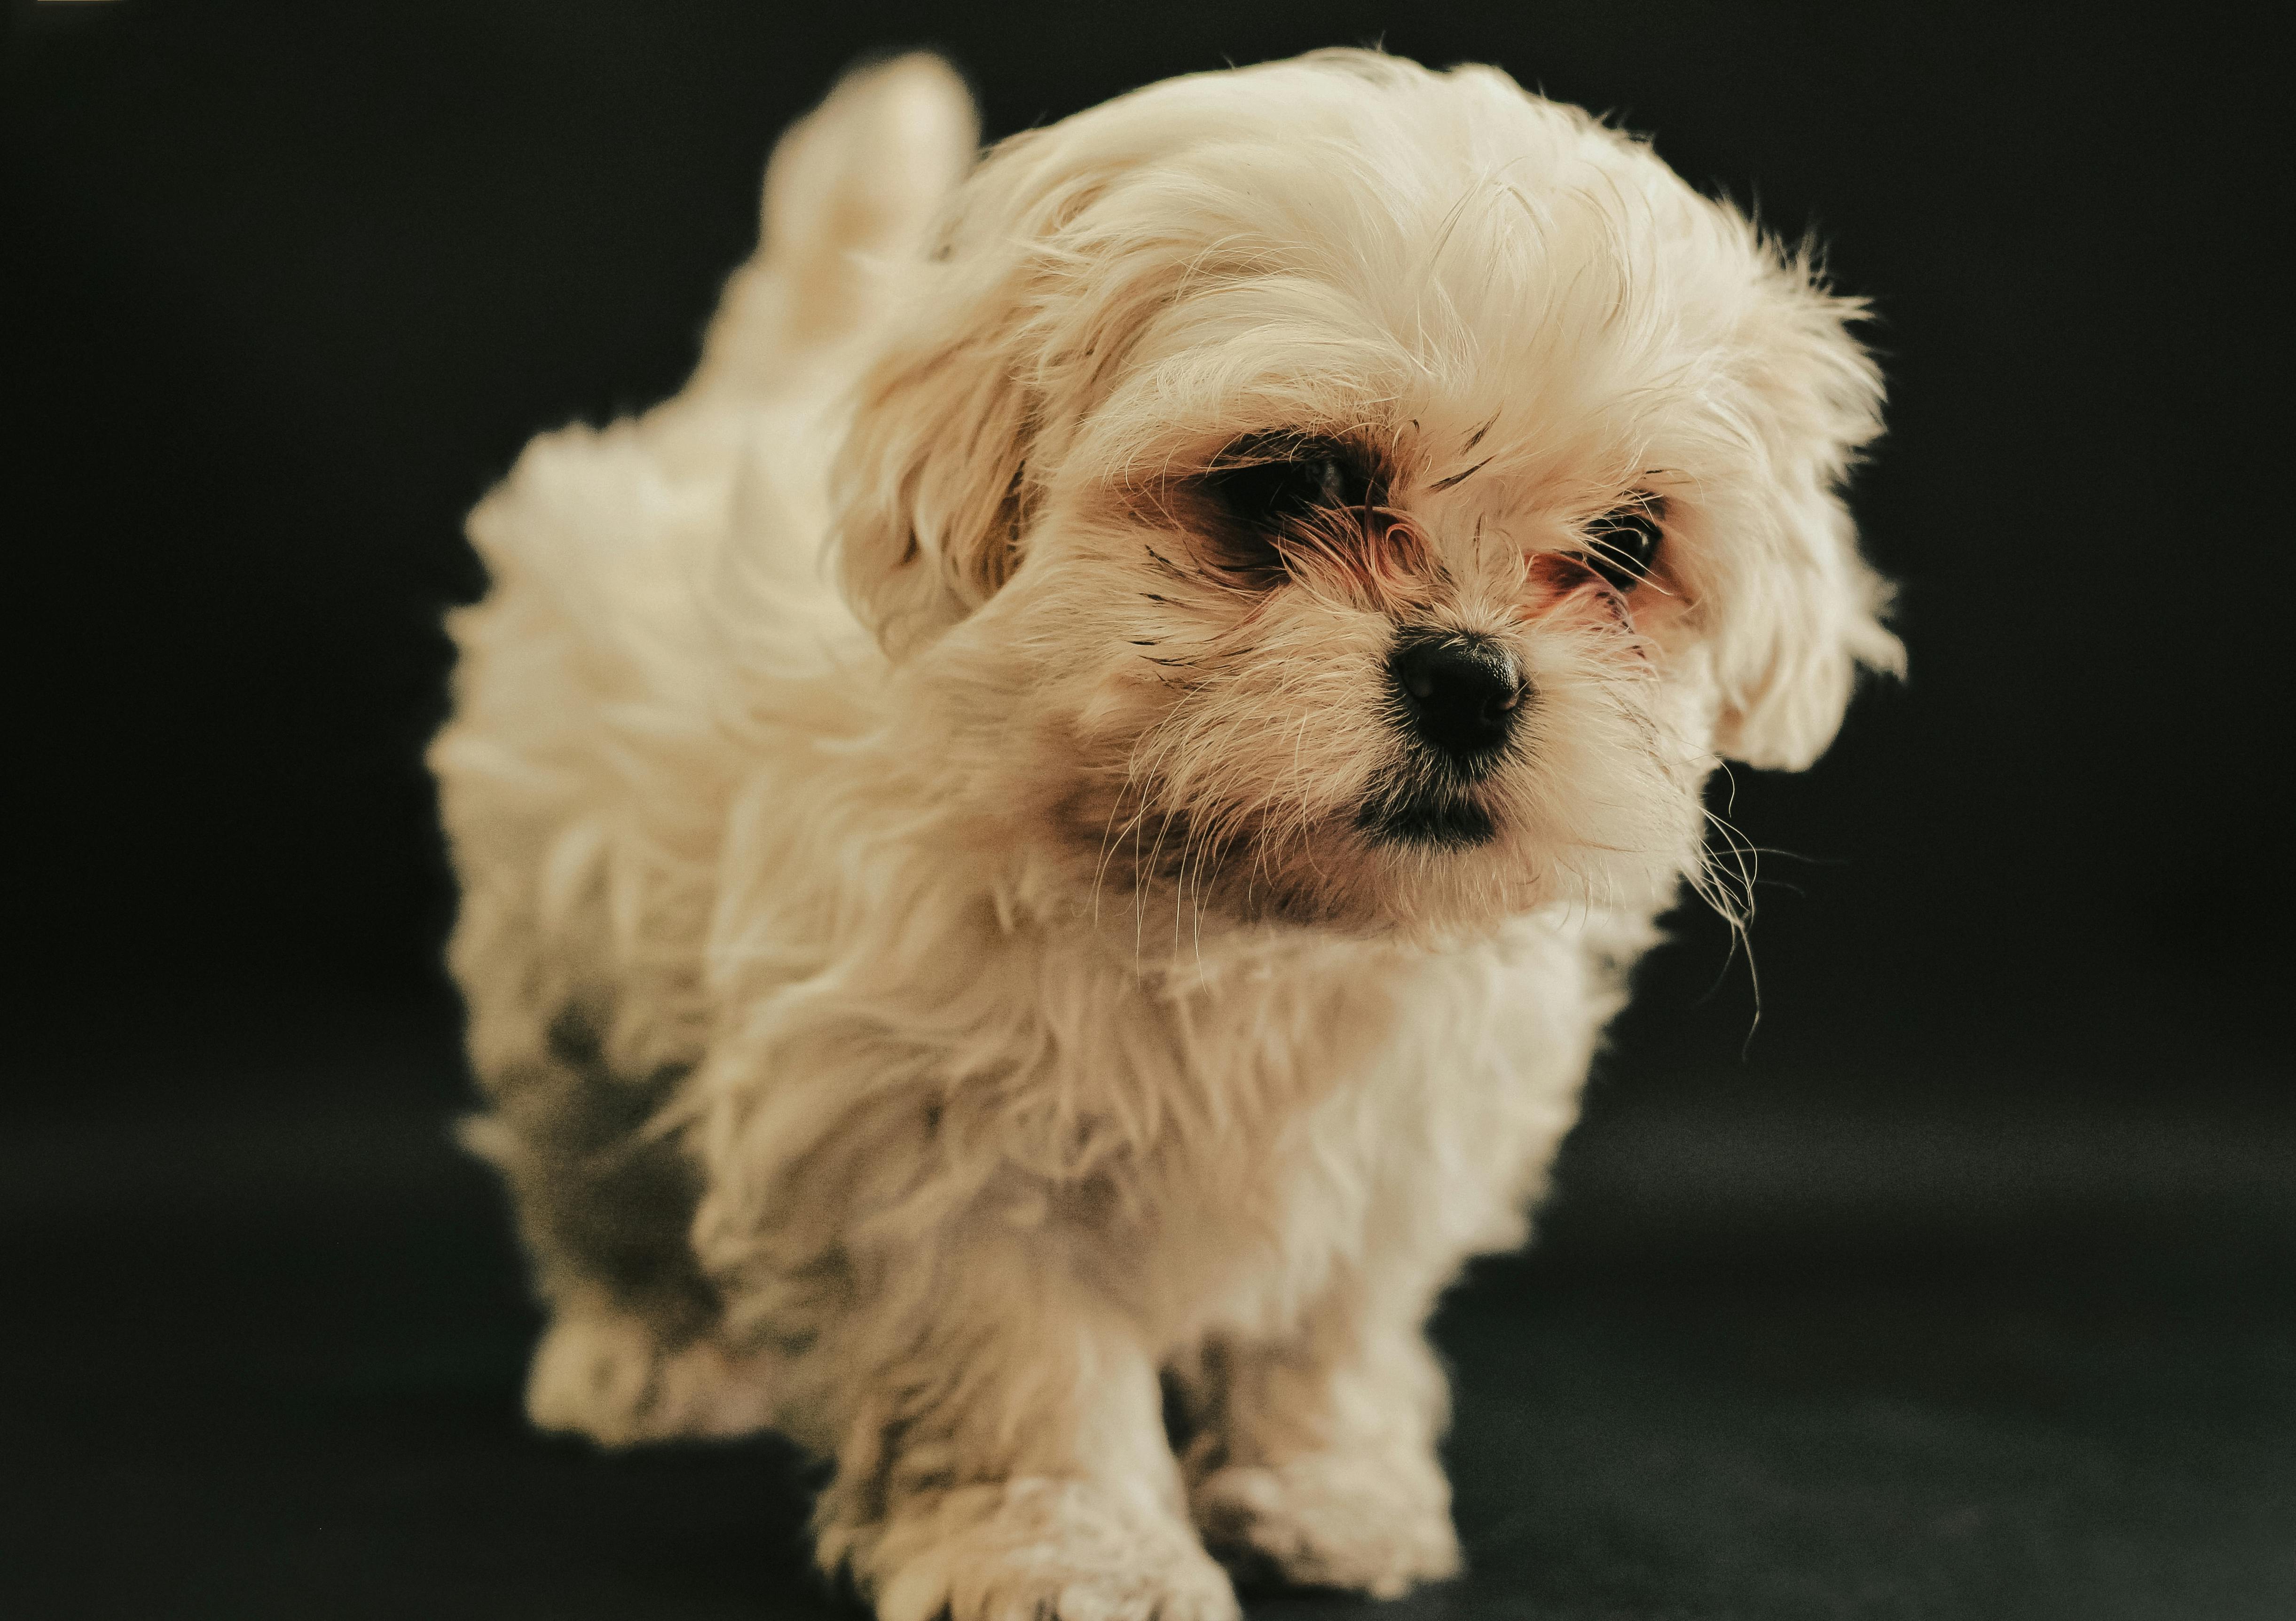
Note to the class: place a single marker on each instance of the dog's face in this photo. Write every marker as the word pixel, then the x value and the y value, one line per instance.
pixel 1345 493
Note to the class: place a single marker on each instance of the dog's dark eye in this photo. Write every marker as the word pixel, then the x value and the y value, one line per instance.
pixel 1268 483
pixel 1623 543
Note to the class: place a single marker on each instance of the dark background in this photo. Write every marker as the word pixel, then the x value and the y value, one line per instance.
pixel 1961 1286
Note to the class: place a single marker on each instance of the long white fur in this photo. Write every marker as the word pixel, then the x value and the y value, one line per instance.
pixel 1027 1012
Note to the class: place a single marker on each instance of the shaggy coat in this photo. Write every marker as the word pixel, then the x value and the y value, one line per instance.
pixel 1048 845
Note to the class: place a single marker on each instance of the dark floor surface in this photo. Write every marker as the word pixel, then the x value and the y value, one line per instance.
pixel 264 1355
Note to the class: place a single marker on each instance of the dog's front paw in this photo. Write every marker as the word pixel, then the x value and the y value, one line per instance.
pixel 1365 1521
pixel 1037 1550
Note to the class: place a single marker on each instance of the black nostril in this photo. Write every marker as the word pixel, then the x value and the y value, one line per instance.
pixel 1463 693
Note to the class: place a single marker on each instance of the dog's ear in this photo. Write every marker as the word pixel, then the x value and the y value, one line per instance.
pixel 1802 609
pixel 930 487
pixel 933 489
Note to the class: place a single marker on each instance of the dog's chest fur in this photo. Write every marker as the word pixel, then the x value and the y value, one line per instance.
pixel 1212 1139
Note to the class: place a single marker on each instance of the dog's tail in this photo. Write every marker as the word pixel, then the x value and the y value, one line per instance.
pixel 856 183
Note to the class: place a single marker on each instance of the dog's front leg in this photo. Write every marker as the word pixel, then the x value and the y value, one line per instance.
pixel 1312 1458
pixel 1002 1451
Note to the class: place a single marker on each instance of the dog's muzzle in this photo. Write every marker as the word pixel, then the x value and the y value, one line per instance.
pixel 1458 698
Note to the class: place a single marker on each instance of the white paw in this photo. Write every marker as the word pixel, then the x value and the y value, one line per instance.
pixel 1368 1522
pixel 603 1375
pixel 1040 1550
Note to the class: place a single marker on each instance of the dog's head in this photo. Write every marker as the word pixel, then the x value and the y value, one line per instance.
pixel 1341 492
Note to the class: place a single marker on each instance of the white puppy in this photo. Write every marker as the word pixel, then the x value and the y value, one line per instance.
pixel 1053 836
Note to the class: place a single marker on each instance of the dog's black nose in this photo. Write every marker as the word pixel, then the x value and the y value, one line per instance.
pixel 1463 693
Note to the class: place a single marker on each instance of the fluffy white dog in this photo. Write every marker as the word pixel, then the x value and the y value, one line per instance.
pixel 1051 840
